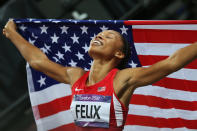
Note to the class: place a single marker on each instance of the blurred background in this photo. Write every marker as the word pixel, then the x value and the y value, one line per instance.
pixel 15 108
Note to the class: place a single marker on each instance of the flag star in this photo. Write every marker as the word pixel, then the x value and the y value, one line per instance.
pixel 66 48
pixel 72 63
pixel 104 28
pixel 115 21
pixel 91 62
pixel 47 47
pixel 80 56
pixel 124 30
pixel 86 69
pixel 60 55
pixel 43 29
pixel 86 48
pixel 34 36
pixel 64 29
pixel 42 81
pixel 22 27
pixel 44 50
pixel 56 60
pixel 31 41
pixel 75 38
pixel 93 37
pixel 75 21
pixel 54 38
pixel 95 21
pixel 132 64
pixel 84 29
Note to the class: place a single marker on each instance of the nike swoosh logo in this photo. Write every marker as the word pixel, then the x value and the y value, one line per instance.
pixel 78 89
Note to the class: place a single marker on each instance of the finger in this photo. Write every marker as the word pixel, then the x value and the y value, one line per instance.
pixel 3 31
pixel 11 19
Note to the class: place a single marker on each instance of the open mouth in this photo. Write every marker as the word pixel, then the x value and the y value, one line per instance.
pixel 97 43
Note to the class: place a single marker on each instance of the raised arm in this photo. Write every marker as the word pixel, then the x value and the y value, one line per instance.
pixel 38 60
pixel 144 76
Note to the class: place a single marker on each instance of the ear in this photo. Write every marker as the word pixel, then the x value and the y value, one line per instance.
pixel 119 54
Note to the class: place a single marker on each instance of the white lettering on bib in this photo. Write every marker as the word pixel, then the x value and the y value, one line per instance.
pixel 91 110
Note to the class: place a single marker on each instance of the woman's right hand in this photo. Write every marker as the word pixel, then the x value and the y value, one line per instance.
pixel 9 28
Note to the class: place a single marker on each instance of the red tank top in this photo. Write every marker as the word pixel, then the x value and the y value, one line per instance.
pixel 97 107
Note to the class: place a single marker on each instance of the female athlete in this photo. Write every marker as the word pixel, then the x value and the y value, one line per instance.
pixel 100 97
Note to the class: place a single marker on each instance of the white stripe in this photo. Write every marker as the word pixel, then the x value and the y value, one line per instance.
pixel 155 112
pixel 50 93
pixel 184 73
pixel 146 128
pixel 54 121
pixel 118 111
pixel 161 49
pixel 167 27
pixel 29 78
pixel 167 93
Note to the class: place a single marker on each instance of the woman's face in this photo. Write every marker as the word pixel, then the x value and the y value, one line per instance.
pixel 105 44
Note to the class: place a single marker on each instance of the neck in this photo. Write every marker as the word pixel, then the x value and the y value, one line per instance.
pixel 99 70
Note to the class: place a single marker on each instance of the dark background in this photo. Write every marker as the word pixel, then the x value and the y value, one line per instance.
pixel 15 109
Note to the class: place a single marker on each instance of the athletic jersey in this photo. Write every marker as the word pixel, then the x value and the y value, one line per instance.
pixel 97 107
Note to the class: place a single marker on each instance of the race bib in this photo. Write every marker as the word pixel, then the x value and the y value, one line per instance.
pixel 91 110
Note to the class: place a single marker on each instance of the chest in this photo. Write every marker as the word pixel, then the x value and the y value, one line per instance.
pixel 91 105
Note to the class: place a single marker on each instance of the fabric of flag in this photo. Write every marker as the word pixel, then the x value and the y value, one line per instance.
pixel 169 104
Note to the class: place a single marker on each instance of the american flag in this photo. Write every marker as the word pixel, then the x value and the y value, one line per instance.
pixel 170 104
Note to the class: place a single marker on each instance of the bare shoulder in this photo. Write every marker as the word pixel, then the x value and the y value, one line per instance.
pixel 128 73
pixel 127 76
pixel 75 73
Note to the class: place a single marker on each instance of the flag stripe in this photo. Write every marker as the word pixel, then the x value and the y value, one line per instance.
pixel 144 110
pixel 67 127
pixel 59 119
pixel 148 128
pixel 183 85
pixel 160 49
pixel 187 74
pixel 184 73
pixel 163 103
pixel 167 27
pixel 164 36
pixel 166 93
pixel 160 122
pixel 55 106
pixel 152 59
pixel 51 93
pixel 160 22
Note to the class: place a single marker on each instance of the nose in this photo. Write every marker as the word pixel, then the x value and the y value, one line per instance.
pixel 99 36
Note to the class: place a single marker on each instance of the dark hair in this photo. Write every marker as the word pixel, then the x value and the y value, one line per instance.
pixel 126 49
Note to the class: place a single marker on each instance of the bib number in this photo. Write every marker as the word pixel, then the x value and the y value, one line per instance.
pixel 91 110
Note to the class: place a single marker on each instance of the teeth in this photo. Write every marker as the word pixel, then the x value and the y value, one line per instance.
pixel 97 42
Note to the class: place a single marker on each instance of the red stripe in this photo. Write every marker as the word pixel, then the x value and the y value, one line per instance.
pixel 160 122
pixel 177 84
pixel 68 127
pixel 55 106
pixel 163 103
pixel 164 36
pixel 146 60
pixel 160 22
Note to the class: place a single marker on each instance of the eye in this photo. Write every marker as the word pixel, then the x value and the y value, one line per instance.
pixel 110 37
